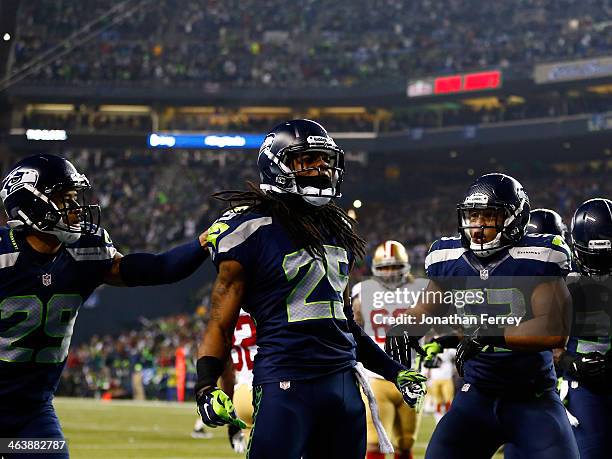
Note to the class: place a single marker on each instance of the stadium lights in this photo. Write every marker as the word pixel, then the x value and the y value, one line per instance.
pixel 6 37
pixel 344 110
pixel 53 108
pixel 357 203
pixel 266 110
pixel 125 109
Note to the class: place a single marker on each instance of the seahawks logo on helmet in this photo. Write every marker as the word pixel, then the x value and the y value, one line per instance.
pixel 17 180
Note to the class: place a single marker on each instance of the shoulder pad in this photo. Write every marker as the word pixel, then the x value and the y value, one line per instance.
pixel 233 228
pixel 444 249
pixel 9 250
pixel 546 248
pixel 93 247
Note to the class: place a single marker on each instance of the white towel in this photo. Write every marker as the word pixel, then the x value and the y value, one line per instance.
pixel 384 443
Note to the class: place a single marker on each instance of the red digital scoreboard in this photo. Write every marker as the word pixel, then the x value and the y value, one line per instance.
pixel 453 84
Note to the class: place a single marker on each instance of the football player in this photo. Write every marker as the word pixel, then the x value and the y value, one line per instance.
pixel 391 271
pixel 546 221
pixel 53 254
pixel 285 257
pixel 508 395
pixel 587 362
pixel 440 384
pixel 244 349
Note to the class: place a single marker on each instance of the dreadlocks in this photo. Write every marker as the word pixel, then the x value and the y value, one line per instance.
pixel 307 225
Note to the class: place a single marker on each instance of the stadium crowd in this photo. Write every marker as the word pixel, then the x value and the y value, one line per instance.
pixel 138 364
pixel 321 43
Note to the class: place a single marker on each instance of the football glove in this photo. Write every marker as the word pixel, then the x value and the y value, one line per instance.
pixel 587 368
pixel 467 349
pixel 431 359
pixel 399 348
pixel 216 409
pixel 411 385
pixel 237 439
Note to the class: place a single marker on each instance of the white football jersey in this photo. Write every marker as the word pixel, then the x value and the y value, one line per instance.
pixel 447 366
pixel 375 315
pixel 244 348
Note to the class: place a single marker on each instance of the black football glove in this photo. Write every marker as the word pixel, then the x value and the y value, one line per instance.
pixel 399 347
pixel 467 349
pixel 587 368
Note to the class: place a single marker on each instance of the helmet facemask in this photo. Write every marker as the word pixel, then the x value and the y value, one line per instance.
pixel 484 218
pixel 594 259
pixel 51 213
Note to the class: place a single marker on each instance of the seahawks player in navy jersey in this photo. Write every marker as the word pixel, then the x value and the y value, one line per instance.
pixel 285 257
pixel 53 254
pixel 546 221
pixel 508 396
pixel 587 362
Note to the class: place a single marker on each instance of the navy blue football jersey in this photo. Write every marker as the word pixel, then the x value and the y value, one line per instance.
pixel 40 296
pixel 496 369
pixel 295 300
pixel 591 325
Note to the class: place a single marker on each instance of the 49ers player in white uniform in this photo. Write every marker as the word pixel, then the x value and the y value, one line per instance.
pixel 243 353
pixel 391 270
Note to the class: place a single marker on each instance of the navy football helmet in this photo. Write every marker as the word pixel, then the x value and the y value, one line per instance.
pixel 287 145
pixel 30 188
pixel 507 197
pixel 546 221
pixel 592 237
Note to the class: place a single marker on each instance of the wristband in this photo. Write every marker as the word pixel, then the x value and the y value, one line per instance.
pixel 209 370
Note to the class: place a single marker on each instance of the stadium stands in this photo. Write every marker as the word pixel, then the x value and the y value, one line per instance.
pixel 266 44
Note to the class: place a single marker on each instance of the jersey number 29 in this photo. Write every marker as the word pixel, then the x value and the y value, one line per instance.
pixel 58 322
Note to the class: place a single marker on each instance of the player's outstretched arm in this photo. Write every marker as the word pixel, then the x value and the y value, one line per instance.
pixel 214 405
pixel 174 265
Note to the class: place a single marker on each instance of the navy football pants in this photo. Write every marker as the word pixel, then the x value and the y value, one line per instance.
pixel 594 434
pixel 478 424
pixel 313 419
pixel 39 422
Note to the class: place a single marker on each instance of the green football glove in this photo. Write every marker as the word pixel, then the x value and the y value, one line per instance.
pixel 431 359
pixel 216 409
pixel 412 386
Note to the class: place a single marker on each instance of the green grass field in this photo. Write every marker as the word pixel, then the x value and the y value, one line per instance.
pixel 125 429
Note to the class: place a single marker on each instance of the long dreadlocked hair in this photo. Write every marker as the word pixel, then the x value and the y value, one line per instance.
pixel 308 226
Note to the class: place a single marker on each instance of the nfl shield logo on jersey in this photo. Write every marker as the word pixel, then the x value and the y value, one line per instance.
pixel 284 385
pixel 46 279
pixel 484 274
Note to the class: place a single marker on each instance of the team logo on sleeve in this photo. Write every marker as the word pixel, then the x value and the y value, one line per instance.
pixel 17 179
pixel 215 231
